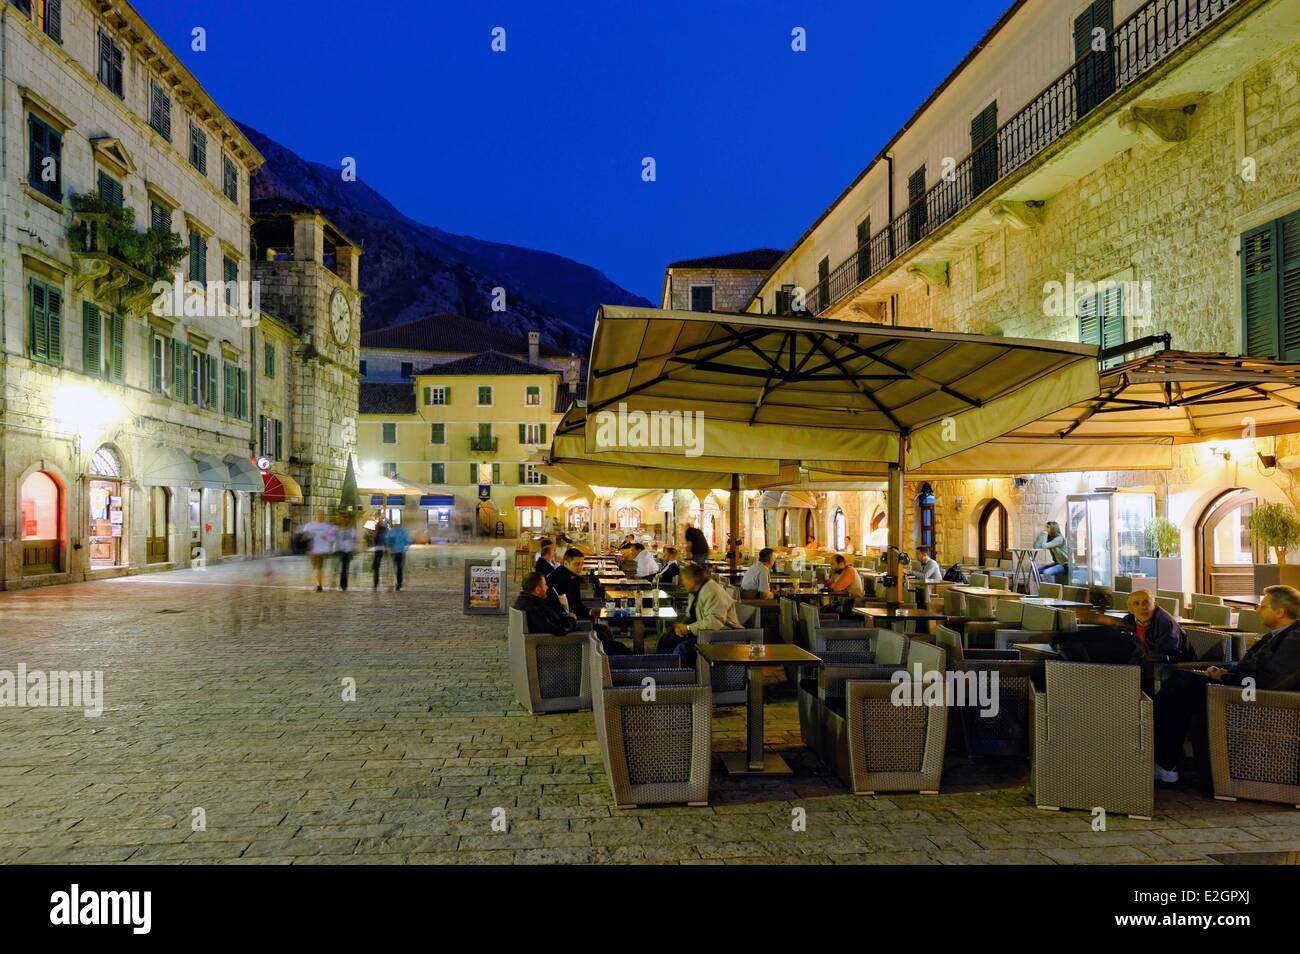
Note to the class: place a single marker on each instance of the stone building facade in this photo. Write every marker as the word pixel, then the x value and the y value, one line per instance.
pixel 723 283
pixel 1153 189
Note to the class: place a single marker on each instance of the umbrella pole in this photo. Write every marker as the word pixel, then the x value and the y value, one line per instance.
pixel 733 521
pixel 895 514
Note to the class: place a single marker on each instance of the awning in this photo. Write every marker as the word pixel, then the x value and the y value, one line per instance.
pixel 212 472
pixel 388 500
pixel 437 500
pixel 244 474
pixel 280 488
pixel 772 387
pixel 793 500
pixel 378 485
pixel 164 466
pixel 532 501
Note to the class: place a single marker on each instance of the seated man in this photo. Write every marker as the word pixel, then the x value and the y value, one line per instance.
pixel 542 615
pixel 628 543
pixel 546 564
pixel 671 569
pixel 1161 638
pixel 708 607
pixel 757 581
pixel 1273 663
pixel 646 564
pixel 846 583
pixel 927 568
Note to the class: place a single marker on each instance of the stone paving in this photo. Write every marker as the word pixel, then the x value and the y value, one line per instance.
pixel 224 692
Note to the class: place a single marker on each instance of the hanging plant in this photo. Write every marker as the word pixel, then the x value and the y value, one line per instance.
pixel 1163 538
pixel 110 228
pixel 1275 526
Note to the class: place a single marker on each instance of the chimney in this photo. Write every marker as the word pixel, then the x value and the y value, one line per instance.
pixel 534 341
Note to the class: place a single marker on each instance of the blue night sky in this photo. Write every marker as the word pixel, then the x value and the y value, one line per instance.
pixel 541 146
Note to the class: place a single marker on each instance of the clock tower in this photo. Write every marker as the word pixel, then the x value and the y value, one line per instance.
pixel 308 270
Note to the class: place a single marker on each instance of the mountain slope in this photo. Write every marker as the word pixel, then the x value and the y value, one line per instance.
pixel 410 269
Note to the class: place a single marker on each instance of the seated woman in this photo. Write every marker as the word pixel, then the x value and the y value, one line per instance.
pixel 1053 541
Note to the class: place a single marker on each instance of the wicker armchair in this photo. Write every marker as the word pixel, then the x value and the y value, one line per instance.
pixel 728 682
pixel 549 672
pixel 883 747
pixel 1254 746
pixel 1038 624
pixel 1091 739
pixel 1006 733
pixel 886 652
pixel 654 752
pixel 982 632
pixel 818 635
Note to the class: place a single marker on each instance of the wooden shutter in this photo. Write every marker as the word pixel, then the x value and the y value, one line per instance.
pixel 523 473
pixel 1089 321
pixel 54 20
pixel 228 379
pixel 496 473
pixel 473 473
pixel 1288 290
pixel 279 439
pixel 428 395
pixel 523 433
pixel 541 428
pixel 261 435
pixel 180 371
pixel 110 190
pixel 446 395
pixel 984 125
pixel 38 338
pixel 1259 305
pixel 54 323
pixel 916 185
pixel 1111 307
pixel 92 356
pixel 243 393
pixel 117 348
pixel 212 383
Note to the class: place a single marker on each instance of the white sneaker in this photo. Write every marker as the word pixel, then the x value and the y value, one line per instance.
pixel 1166 775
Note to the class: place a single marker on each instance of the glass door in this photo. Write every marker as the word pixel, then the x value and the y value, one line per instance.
pixel 1089 526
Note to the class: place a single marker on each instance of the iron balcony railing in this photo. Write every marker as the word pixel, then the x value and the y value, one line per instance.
pixel 1146 38
pixel 482 444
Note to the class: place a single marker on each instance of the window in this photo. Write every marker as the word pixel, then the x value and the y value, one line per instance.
pixel 629 518
pixel 198 148
pixel 102 344
pixel 408 369
pixel 532 396
pixel 984 148
pixel 485 395
pixel 110 190
pixel 784 299
pixel 268 359
pixel 390 468
pixel 230 395
pixel 435 396
pixel 437 433
pixel 389 433
pixel 210 391
pixel 532 433
pixel 110 63
pixel 272 435
pixel 1101 318
pixel 198 369
pixel 160 217
pixel 45 14
pixel 496 473
pixel 530 518
pixel 180 370
pixel 1094 74
pixel 925 518
pixel 701 298
pixel 230 179
pixel 437 473
pixel 45 158
pixel 45 322
pixel 917 211
pixel 823 282
pixel 241 380
pixel 230 274
pixel 1270 289
pixel 529 474
pixel 160 110
pixel 158 363
pixel 839 530
pixel 198 257
pixel 864 255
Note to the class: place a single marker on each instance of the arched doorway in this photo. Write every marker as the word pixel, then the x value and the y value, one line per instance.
pixel 105 509
pixel 229 515
pixel 839 530
pixel 993 533
pixel 809 528
pixel 40 503
pixel 925 518
pixel 160 525
pixel 1225 551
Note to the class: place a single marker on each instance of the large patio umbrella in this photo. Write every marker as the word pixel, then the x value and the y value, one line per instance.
pixel 782 387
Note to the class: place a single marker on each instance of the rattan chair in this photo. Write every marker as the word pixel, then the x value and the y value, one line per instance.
pixel 1007 731
pixel 549 672
pixel 1038 624
pixel 999 583
pixel 1178 600
pixel 883 747
pixel 1077 593
pixel 1255 745
pixel 1007 614
pixel 655 750
pixel 728 682
pixel 886 652
pixel 1092 739
pixel 1206 598
pixel 1248 621
pixel 1216 614
pixel 1050 590
pixel 979 579
pixel 820 636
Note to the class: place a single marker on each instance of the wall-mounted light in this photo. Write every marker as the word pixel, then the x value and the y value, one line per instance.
pixel 1224 452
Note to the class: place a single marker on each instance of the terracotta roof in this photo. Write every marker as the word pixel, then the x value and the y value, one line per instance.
pixel 756 259
pixel 453 333
pixel 381 398
pixel 489 362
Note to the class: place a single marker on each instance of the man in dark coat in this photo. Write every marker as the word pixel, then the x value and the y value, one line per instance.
pixel 1159 634
pixel 1273 663
pixel 545 564
pixel 542 615
pixel 567 582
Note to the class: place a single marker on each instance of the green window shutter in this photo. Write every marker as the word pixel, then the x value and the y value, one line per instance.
pixel 1089 321
pixel 916 185
pixel 446 395
pixel 261 435
pixel 437 474
pixel 496 473
pixel 38 336
pixel 473 473
pixel 428 395
pixel 279 439
pixel 1111 303
pixel 110 190
pixel 228 404
pixel 984 125
pixel 542 429
pixel 54 323
pixel 1259 304
pixel 541 477
pixel 212 383
pixel 180 371
pixel 198 257
pixel 523 433
pixel 117 348
pixel 243 394
pixel 523 473
pixel 92 356
pixel 1288 292
pixel 437 433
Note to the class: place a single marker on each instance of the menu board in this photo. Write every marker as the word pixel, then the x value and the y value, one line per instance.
pixel 485 588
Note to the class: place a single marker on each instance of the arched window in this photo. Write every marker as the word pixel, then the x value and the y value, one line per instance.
pixel 925 529
pixel 103 463
pixel 993 533
pixel 40 504
pixel 629 518
pixel 579 517
pixel 107 510
pixel 839 530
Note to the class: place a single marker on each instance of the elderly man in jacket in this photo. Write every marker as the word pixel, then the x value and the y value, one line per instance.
pixel 708 607
pixel 1273 663
pixel 544 615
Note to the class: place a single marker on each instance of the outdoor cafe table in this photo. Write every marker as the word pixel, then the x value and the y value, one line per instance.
pixel 888 616
pixel 629 582
pixel 1249 600
pixel 637 618
pixel 1041 650
pixel 630 593
pixel 986 591
pixel 754 657
pixel 1056 603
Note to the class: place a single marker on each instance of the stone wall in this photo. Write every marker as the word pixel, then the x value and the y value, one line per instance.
pixel 732 288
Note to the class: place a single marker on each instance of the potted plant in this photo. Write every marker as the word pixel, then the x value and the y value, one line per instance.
pixel 1275 527
pixel 1164 540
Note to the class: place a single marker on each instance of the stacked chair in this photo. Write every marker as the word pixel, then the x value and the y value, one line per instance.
pixel 1255 745
pixel 548 672
pixel 1092 739
pixel 654 751
pixel 1007 732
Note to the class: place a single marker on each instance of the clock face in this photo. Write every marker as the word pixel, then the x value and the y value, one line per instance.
pixel 340 318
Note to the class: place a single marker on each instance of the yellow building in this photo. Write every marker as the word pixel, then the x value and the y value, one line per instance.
pixel 461 432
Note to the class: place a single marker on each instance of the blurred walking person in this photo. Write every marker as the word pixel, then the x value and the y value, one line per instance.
pixel 345 546
pixel 399 541
pixel 381 545
pixel 320 542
